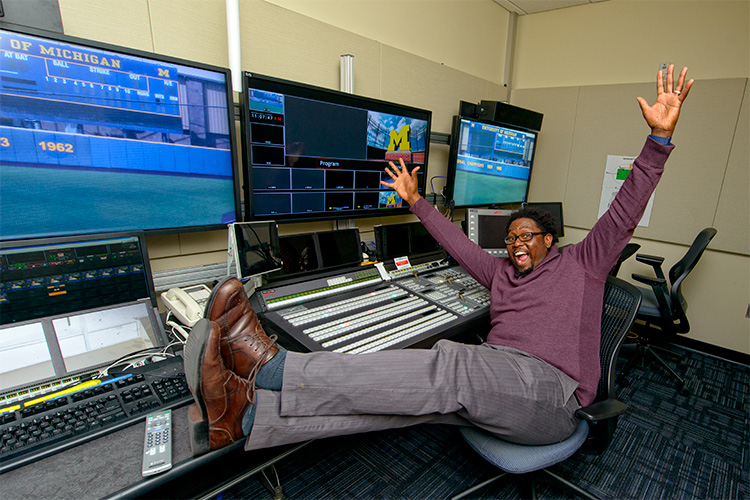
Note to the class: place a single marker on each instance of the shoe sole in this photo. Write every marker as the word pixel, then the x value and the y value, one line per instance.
pixel 212 296
pixel 193 359
pixel 198 432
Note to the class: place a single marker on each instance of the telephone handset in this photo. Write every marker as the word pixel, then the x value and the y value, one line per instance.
pixel 187 304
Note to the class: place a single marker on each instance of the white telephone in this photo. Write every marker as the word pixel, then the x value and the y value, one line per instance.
pixel 187 304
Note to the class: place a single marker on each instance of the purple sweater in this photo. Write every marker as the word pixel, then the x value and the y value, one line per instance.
pixel 555 311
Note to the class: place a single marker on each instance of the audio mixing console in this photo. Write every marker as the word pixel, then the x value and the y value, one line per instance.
pixel 368 310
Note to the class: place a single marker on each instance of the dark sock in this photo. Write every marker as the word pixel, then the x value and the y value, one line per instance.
pixel 271 375
pixel 248 419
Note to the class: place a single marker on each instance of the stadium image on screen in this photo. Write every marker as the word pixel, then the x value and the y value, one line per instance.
pixel 489 164
pixel 98 138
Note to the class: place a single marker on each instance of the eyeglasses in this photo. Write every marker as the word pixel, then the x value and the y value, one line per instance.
pixel 524 237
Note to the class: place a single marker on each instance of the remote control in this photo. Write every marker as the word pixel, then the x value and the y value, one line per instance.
pixel 157 445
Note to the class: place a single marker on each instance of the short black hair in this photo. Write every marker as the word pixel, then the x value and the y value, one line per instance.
pixel 544 219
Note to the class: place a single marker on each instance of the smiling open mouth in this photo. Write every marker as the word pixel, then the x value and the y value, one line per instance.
pixel 521 256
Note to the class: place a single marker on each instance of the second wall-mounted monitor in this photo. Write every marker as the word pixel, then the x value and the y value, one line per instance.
pixel 489 163
pixel 97 138
pixel 314 153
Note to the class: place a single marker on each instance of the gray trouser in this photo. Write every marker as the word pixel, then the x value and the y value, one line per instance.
pixel 503 390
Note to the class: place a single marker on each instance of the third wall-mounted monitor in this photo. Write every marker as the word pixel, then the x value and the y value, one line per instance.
pixel 314 153
pixel 489 163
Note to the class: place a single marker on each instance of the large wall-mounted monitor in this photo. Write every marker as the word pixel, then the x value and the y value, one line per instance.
pixel 314 153
pixel 489 163
pixel 97 138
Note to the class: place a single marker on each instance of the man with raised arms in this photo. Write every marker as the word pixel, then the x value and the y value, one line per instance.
pixel 539 364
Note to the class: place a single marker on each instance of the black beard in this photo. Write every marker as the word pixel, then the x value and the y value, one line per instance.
pixel 520 273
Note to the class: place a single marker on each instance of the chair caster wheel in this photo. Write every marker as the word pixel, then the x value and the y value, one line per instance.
pixel 683 390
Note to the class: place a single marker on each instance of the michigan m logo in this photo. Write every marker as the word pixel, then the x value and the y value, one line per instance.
pixel 164 73
pixel 400 139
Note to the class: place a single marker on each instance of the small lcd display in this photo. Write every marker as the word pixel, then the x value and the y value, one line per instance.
pixel 256 248
pixel 340 247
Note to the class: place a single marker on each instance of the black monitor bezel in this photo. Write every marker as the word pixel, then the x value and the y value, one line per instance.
pixel 274 84
pixel 23 30
pixel 453 157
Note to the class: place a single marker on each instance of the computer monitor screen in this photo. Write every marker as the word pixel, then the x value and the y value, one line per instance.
pixel 69 304
pixel 256 248
pixel 313 153
pixel 489 163
pixel 555 208
pixel 311 253
pixel 299 253
pixel 394 241
pixel 486 228
pixel 98 138
pixel 339 248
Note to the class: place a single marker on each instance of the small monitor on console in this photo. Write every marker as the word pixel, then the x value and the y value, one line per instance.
pixel 401 240
pixel 556 209
pixel 486 228
pixel 255 248
pixel 311 253
pixel 69 305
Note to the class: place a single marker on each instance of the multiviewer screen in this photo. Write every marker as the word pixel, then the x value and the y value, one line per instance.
pixel 314 157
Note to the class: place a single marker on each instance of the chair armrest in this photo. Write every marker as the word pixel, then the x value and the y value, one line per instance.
pixel 602 410
pixel 649 280
pixel 652 260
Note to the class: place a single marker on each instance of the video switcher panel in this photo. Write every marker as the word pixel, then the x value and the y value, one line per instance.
pixel 367 310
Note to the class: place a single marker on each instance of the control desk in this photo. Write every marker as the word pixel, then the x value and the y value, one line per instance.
pixel 370 309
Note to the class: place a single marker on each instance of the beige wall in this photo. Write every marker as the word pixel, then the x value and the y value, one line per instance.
pixel 624 41
pixel 583 67
pixel 433 53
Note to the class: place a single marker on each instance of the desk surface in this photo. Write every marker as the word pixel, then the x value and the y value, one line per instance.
pixel 111 467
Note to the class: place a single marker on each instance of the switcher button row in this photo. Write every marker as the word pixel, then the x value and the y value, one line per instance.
pixel 366 331
pixel 362 319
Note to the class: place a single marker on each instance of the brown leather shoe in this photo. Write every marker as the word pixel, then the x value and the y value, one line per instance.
pixel 245 347
pixel 221 397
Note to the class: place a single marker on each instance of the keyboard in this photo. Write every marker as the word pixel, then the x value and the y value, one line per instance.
pixel 30 433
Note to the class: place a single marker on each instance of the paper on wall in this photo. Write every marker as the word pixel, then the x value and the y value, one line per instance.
pixel 617 169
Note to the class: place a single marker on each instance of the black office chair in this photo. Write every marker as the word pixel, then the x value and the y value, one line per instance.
pixel 663 309
pixel 598 420
pixel 629 250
